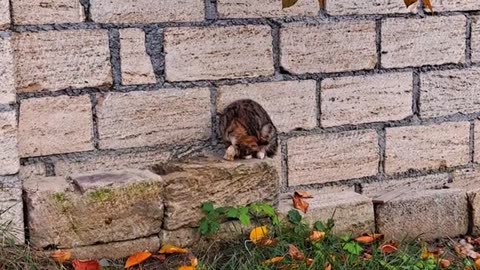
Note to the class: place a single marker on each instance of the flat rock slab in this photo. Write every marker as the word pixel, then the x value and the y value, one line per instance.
pixel 428 214
pixel 353 213
pixel 190 183
pixel 95 208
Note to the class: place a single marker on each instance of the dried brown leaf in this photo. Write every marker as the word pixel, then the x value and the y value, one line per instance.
pixel 295 253
pixel 300 204
pixel 85 265
pixel 288 3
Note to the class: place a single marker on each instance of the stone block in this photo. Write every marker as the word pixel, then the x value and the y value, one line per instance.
pixel 227 52
pixel 332 157
pixel 291 104
pixel 455 5
pixel 361 7
pixel 32 171
pixel 427 147
pixel 66 218
pixel 62 59
pixel 150 118
pixel 136 64
pixel 475 40
pixel 352 212
pixel 11 216
pixel 47 12
pixel 366 99
pixel 188 184
pixel 476 135
pixel 268 8
pixel 467 179
pixel 7 81
pixel 9 158
pixel 429 41
pixel 4 14
pixel 328 47
pixel 429 214
pixel 54 125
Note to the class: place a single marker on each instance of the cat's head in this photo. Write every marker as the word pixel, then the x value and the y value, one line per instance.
pixel 268 132
pixel 249 144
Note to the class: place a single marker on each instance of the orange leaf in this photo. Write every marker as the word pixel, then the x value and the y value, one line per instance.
pixel 295 253
pixel 302 194
pixel 273 260
pixel 267 242
pixel 258 233
pixel 186 268
pixel 328 266
pixel 137 258
pixel 85 265
pixel 388 248
pixel 428 4
pixel 367 256
pixel 316 236
pixel 300 204
pixel 377 236
pixel 444 263
pixel 434 254
pixel 194 262
pixel 409 2
pixel 309 261
pixel 366 239
pixel 61 256
pixel 170 249
pixel 477 263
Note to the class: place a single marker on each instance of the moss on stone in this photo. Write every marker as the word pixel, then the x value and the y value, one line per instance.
pixel 62 201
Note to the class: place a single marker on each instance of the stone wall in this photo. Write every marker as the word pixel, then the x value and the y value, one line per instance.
pixel 368 95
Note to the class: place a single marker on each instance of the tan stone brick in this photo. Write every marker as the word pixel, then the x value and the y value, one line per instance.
pixel 268 8
pixel 62 59
pixel 7 81
pixel 12 217
pixel 467 179
pixel 475 39
pixel 32 171
pixel 429 213
pixel 328 47
pixel 226 52
pixel 351 7
pixel 4 14
pixel 44 12
pixel 353 212
pixel 102 161
pixel 9 160
pixel 332 157
pixel 428 41
pixel 476 136
pixel 449 92
pixel 152 118
pixel 427 147
pixel 290 104
pixel 55 125
pixel 365 99
pixel 136 64
pixel 143 11
pixel 455 5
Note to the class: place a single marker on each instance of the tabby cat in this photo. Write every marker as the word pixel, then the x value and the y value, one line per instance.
pixel 247 130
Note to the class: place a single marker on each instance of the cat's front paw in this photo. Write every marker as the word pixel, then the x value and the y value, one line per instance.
pixel 230 153
pixel 261 155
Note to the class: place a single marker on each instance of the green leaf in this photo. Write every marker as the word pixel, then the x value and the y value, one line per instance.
pixel 214 227
pixel 294 216
pixel 353 248
pixel 330 224
pixel 256 208
pixel 244 219
pixel 204 227
pixel 207 207
pixel 232 213
pixel 320 226
pixel 268 210
pixel 288 3
pixel 275 220
pixel 243 210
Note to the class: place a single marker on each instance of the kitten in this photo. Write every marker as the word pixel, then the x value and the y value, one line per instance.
pixel 247 130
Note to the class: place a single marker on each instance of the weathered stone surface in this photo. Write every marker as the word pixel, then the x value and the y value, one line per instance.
pixel 153 117
pixel 474 200
pixel 435 181
pixel 332 156
pixel 4 14
pixel 183 237
pixel 226 52
pixel 427 147
pixel 353 212
pixel 412 214
pixel 114 161
pixel 476 146
pixel 344 46
pixel 10 181
pixel 189 184
pixel 43 12
pixel 117 250
pixel 32 171
pixel 427 41
pixel 7 81
pixel 475 39
pixel 69 219
pixel 467 179
pixel 455 5
pixel 11 209
pixel 143 11
pixel 136 64
pixel 9 159
pixel 54 125
pixel 351 7
pixel 449 92
pixel 268 8
pixel 365 99
pixel 62 59
pixel 291 104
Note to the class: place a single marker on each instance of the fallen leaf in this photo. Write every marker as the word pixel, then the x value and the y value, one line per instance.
pixel 477 263
pixel 388 248
pixel 295 253
pixel 409 2
pixel 186 268
pixel 309 261
pixel 366 239
pixel 267 242
pixel 316 236
pixel 444 263
pixel 328 266
pixel 300 204
pixel 377 236
pixel 160 257
pixel 428 4
pixel 170 249
pixel 258 233
pixel 289 266
pixel 273 260
pixel 194 262
pixel 137 258
pixel 302 194
pixel 288 3
pixel 85 265
pixel 435 254
pixel 61 256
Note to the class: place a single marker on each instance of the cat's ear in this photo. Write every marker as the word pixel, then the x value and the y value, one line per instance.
pixel 268 131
